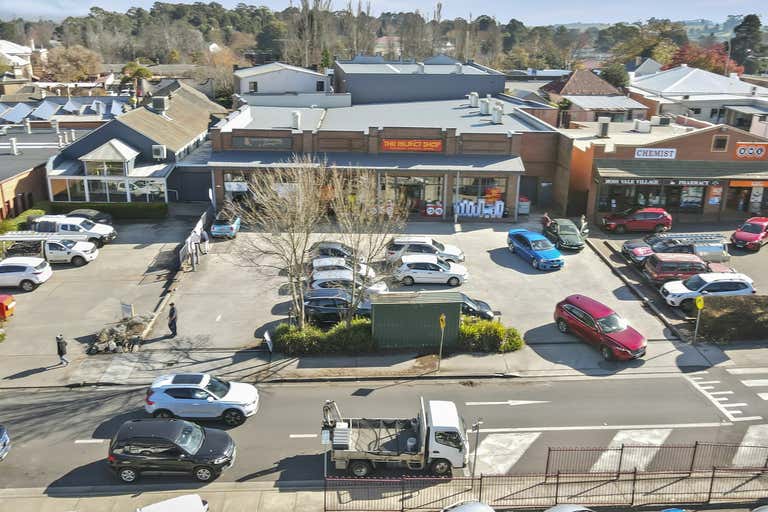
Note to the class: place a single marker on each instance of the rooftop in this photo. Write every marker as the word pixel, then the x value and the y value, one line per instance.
pixel 605 102
pixel 581 83
pixel 274 66
pixel 684 80
pixel 62 108
pixel 382 67
pixel 34 149
pixel 621 133
pixel 273 118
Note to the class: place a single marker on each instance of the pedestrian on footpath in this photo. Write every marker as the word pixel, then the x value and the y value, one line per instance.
pixel 61 349
pixel 204 239
pixel 173 316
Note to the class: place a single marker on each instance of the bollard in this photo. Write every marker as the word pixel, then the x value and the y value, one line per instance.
pixel 14 147
pixel 28 125
pixel 72 135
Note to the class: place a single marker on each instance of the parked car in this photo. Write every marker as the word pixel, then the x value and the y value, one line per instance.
pixel 428 268
pixel 97 233
pixel 660 268
pixel 169 446
pixel 92 215
pixel 203 396
pixel 683 293
pixel 404 245
pixel 24 272
pixel 638 219
pixel 565 235
pixel 600 326
pixel 474 307
pixel 5 442
pixel 344 279
pixel 535 249
pixel 185 503
pixel 56 251
pixel 329 306
pixel 710 248
pixel 752 235
pixel 225 226
pixel 328 263
pixel 330 249
pixel 564 507
pixel 468 506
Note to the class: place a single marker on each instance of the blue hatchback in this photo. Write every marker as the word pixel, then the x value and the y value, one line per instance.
pixel 225 226
pixel 535 248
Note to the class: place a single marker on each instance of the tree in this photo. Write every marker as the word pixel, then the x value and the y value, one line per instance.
pixel 325 60
pixel 615 74
pixel 710 59
pixel 134 70
pixel 73 63
pixel 748 40
pixel 664 51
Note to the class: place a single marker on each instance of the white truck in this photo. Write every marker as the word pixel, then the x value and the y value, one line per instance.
pixel 63 225
pixel 435 440
pixel 53 247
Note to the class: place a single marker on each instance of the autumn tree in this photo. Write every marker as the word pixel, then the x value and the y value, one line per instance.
pixel 711 59
pixel 73 63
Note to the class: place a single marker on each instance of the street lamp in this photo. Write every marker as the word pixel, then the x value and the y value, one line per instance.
pixel 476 430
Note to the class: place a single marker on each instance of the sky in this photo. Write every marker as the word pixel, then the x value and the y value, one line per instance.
pixel 528 11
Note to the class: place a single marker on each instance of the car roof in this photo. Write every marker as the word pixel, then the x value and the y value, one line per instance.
pixel 327 261
pixel 727 276
pixel 327 293
pixel 22 260
pixel 150 427
pixel 675 256
pixel 590 305
pixel 530 235
pixel 419 258
pixel 419 239
pixel 345 275
pixel 87 211
pixel 174 379
pixel 328 243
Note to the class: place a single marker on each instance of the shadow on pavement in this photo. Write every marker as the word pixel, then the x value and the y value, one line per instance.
pixel 502 257
pixel 290 469
pixel 379 360
pixel 108 428
pixel 31 371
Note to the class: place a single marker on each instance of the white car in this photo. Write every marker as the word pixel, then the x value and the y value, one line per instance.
pixel 427 268
pixel 322 264
pixel 200 395
pixel 683 293
pixel 404 245
pixel 344 279
pixel 24 272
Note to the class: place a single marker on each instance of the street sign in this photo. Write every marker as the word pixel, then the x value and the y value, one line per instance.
pixel 325 437
pixel 699 302
pixel 126 310
pixel 442 321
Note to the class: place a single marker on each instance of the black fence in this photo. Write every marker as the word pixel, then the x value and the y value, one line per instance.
pixel 716 485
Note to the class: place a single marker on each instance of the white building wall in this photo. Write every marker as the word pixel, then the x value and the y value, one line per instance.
pixel 282 81
pixel 759 127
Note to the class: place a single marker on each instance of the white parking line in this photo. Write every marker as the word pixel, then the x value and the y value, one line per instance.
pixel 302 436
pixel 89 441
pixel 706 387
pixel 742 404
pixel 764 396
pixel 746 371
pixel 604 427
pixel 755 383
pixel 702 382
pixel 218 318
pixel 721 393
pixel 700 372
pixel 731 415
pixel 748 418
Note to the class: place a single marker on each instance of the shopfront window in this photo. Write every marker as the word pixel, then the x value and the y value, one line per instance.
pixel 421 195
pixel 674 198
pixel 481 197
pixel 117 192
pixel 59 190
pixel 686 199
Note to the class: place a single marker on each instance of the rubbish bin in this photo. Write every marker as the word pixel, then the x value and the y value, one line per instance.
pixel 7 306
pixel 523 206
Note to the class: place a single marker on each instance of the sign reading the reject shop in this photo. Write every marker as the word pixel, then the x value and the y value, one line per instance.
pixel 416 145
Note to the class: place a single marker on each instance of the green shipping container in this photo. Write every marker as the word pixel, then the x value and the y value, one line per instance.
pixel 407 320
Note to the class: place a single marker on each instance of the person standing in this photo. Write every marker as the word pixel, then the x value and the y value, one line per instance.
pixel 546 220
pixel 61 350
pixel 204 241
pixel 173 316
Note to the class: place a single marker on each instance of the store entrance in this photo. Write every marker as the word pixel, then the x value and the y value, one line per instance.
pixel 421 195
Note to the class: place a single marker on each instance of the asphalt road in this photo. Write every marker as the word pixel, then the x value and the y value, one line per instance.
pixel 60 436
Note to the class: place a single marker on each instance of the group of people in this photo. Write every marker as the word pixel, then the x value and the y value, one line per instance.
pixel 546 221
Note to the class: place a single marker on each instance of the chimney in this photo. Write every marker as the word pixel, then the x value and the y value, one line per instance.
pixel 14 147
pixel 296 120
pixel 420 68
pixel 638 60
pixel 459 68
pixel 72 135
pixel 32 44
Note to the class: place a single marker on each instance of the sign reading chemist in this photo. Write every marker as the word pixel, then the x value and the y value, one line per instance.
pixel 656 153
pixel 413 145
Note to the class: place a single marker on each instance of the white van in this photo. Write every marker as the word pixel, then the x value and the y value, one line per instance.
pixel 96 233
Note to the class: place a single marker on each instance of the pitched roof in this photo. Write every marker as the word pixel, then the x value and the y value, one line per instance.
pixel 581 83
pixel 113 150
pixel 605 102
pixel 684 80
pixel 13 48
pixel 648 67
pixel 188 116
pixel 272 67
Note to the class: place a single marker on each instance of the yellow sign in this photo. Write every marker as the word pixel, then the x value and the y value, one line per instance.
pixel 419 145
pixel 699 302
pixel 442 321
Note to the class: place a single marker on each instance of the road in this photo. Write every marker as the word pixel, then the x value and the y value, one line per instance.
pixel 61 436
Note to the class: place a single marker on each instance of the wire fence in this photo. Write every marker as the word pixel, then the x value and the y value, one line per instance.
pixel 632 488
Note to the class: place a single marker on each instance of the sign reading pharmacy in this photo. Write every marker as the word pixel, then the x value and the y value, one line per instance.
pixel 659 181
pixel 656 153
pixel 416 145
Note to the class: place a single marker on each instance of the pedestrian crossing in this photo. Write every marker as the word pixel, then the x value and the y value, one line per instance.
pixel 610 460
pixel 721 398
pixel 756 379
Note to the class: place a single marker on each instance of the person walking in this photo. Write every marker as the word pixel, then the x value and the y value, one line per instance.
pixel 173 316
pixel 61 349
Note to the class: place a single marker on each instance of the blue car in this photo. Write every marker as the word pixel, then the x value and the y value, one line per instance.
pixel 225 226
pixel 535 248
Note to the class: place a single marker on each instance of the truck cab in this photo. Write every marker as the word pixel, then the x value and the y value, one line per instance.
pixel 447 437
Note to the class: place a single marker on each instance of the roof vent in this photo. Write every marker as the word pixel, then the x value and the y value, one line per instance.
pixel 159 151
pixel 485 107
pixel 160 104
pixel 473 99
pixel 498 113
pixel 459 68
pixel 296 120
pixel 420 68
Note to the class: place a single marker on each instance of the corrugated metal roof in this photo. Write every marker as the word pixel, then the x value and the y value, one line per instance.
pixel 605 102
pixel 401 68
pixel 681 169
pixel 17 113
pixel 693 81
pixel 417 298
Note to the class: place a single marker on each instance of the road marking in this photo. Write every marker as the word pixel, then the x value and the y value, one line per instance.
pixel 728 414
pixel 764 396
pixel 748 456
pixel 746 371
pixel 610 460
pixel 748 418
pixel 218 318
pixel 120 368
pixel 497 453
pixel 721 393
pixel 700 372
pixel 742 404
pixel 702 382
pixel 603 427
pixel 508 402
pixel 706 387
pixel 755 383
pixel 722 399
pixel 89 441
pixel 302 436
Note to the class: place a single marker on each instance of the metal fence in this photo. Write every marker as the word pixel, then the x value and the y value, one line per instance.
pixel 189 252
pixel 716 485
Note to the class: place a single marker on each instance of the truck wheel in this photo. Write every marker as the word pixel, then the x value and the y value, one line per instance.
pixel 440 467
pixel 78 261
pixel 360 468
pixel 98 241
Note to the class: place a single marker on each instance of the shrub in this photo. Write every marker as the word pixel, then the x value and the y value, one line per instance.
pixel 120 211
pixel 341 338
pixel 739 318
pixel 19 222
pixel 477 335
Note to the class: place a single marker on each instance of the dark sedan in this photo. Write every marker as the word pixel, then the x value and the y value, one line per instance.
pixel 330 305
pixel 478 308
pixel 565 235
pixel 92 215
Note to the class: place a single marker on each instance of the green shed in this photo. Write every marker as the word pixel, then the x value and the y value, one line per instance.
pixel 412 319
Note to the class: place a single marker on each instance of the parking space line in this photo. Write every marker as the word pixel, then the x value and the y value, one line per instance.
pixel 708 382
pixel 605 427
pixel 218 318
pixel 746 371
pixel 721 393
pixel 764 396
pixel 706 387
pixel 700 372
pixel 742 404
pixel 748 418
pixel 755 383
pixel 89 441
pixel 302 436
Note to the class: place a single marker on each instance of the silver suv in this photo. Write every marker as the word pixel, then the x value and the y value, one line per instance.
pixel 422 245
pixel 200 395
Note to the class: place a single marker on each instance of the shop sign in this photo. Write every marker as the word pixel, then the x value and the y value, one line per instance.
pixel 235 186
pixel 632 181
pixel 748 183
pixel 279 143
pixel 752 150
pixel 416 145
pixel 656 153
pixel 692 183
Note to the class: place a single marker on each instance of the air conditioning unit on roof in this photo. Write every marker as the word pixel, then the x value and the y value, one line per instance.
pixel 159 151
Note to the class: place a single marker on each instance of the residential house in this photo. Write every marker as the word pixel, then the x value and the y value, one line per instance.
pixel 24 60
pixel 282 85
pixel 642 67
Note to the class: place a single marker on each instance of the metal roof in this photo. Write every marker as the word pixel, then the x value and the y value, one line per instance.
pixel 272 67
pixel 408 68
pixel 749 109
pixel 605 102
pixel 693 81
pixel 681 169
pixel 420 297
pixel 113 150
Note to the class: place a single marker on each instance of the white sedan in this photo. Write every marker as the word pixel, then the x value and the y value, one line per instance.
pixel 428 268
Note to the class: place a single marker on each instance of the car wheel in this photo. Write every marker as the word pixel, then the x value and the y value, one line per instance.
pixel 535 263
pixel 511 248
pixel 27 285
pixel 233 417
pixel 454 281
pixel 99 242
pixel 620 229
pixel 359 468
pixel 78 261
pixel 203 473
pixel 659 228
pixel 562 325
pixel 440 467
pixel 128 475
pixel 162 413
pixel 450 260
pixel 606 352
pixel 408 281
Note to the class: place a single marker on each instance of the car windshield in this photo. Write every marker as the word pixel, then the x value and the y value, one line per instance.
pixel 41 265
pixel 660 246
pixel 217 386
pixel 541 245
pixel 87 224
pixel 438 245
pixel 752 228
pixel 191 438
pixel 694 283
pixel 224 221
pixel 443 264
pixel 612 323
pixel 68 243
pixel 469 302
pixel 567 229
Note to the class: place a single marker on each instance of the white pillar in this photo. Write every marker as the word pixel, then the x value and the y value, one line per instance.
pixel 87 192
pixel 55 125
pixel 14 147
pixel 517 194
pixel 72 135
pixel 127 190
pixel 28 125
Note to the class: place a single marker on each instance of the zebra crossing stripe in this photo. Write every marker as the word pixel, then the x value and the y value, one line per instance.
pixel 609 460
pixel 748 455
pixel 752 383
pixel 497 453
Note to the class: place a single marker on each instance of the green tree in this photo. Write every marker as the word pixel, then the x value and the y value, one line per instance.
pixel 664 51
pixel 615 74
pixel 747 41
pixel 134 70
pixel 325 61
pixel 174 56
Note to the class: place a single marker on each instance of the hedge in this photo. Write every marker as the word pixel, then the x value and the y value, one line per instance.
pixel 18 223
pixel 341 338
pixel 120 211
pixel 738 318
pixel 477 335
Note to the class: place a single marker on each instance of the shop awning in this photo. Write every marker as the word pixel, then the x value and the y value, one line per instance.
pixel 681 170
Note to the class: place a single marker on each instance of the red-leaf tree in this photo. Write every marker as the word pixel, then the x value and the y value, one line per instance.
pixel 712 58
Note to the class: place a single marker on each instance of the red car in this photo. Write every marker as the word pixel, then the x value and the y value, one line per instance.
pixel 638 219
pixel 599 325
pixel 753 234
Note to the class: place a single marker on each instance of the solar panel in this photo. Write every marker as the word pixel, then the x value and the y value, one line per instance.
pixel 17 113
pixel 45 110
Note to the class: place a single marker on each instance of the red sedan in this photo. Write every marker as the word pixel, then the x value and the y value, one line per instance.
pixel 599 325
pixel 753 234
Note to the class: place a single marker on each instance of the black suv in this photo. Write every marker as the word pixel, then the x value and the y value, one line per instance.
pixel 169 446
pixel 330 305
